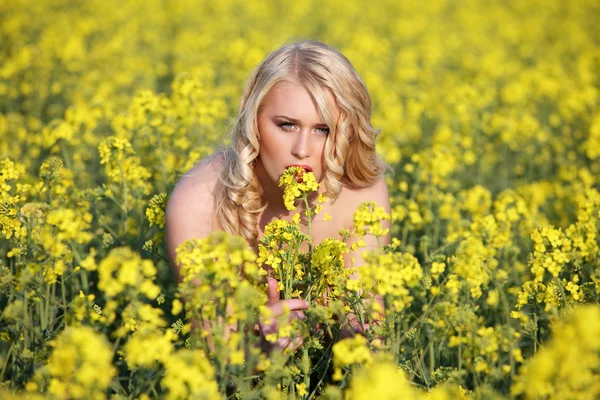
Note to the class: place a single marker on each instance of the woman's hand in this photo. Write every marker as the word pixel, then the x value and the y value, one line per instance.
pixel 352 327
pixel 278 307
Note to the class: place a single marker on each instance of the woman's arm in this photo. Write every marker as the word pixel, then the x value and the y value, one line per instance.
pixel 378 193
pixel 190 214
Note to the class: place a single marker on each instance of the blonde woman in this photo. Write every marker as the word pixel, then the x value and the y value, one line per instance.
pixel 304 105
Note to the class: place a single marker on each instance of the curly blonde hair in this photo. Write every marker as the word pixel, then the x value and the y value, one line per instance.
pixel 350 155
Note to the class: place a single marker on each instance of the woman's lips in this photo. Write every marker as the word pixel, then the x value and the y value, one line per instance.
pixel 304 167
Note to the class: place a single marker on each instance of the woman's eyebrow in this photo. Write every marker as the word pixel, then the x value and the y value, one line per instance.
pixel 297 121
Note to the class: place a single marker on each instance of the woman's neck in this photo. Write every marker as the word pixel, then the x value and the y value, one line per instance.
pixel 270 191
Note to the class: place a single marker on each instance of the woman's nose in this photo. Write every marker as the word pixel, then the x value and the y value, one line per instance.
pixel 300 148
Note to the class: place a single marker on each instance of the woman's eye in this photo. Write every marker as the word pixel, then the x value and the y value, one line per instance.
pixel 286 126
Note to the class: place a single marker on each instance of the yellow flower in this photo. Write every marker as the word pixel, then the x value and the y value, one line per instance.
pixel 80 364
pixel 368 214
pixel 492 298
pixel 148 346
pixel 123 270
pixel 301 389
pixel 176 307
pixel 89 262
pixel 118 157
pixel 189 375
pixel 31 386
pixel 437 268
pixel 297 183
pixel 383 381
pixel 391 274
pixel 156 210
pixel 565 367
pixel 237 357
pixel 351 351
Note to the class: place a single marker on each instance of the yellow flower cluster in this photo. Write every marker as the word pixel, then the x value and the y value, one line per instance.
pixel 9 202
pixel 551 250
pixel 122 166
pixel 369 215
pixel 216 273
pixel 279 236
pixel 391 275
pixel 218 259
pixel 125 271
pixel 279 248
pixel 156 210
pixel 584 233
pixel 559 255
pixel 386 380
pixel 494 192
pixel 389 382
pixel 297 183
pixel 472 263
pixel 566 367
pixel 147 346
pixel 189 374
pixel 350 351
pixel 327 265
pixel 592 144
pixel 80 364
pixel 51 169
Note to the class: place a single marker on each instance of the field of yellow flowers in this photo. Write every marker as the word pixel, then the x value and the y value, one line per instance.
pixel 490 117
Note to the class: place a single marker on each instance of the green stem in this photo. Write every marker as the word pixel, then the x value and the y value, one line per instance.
pixel 125 195
pixel 431 358
pixel 306 373
pixel 50 298
pixel 46 308
pixel 27 321
pixel 8 356
pixel 84 281
pixel 320 379
pixel 535 339
pixel 65 155
pixel 289 275
pixel 64 296
pixel 308 217
pixel 420 366
pixel 310 246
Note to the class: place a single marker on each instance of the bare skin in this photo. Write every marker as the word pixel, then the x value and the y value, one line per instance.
pixel 292 132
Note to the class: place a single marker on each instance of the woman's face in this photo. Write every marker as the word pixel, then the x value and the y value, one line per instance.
pixel 292 132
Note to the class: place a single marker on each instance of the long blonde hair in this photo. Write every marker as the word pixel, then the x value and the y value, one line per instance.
pixel 350 155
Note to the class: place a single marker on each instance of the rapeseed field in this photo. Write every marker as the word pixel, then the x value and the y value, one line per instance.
pixel 489 115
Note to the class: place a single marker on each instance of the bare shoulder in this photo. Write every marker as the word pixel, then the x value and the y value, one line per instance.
pixel 377 192
pixel 350 199
pixel 190 209
pixel 195 188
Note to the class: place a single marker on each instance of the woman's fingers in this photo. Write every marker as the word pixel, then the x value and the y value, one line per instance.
pixel 318 327
pixel 361 329
pixel 282 343
pixel 292 307
pixel 289 343
pixel 297 315
pixel 271 325
pixel 272 291
pixel 284 306
pixel 296 343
